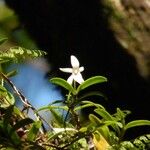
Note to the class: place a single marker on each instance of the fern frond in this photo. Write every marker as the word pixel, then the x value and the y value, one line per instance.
pixel 19 54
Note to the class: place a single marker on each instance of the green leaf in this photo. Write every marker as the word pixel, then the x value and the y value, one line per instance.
pixel 13 135
pixel 108 117
pixel 19 54
pixel 18 112
pixel 104 130
pixel 83 129
pixel 34 131
pixel 104 114
pixel 121 114
pixel 93 93
pixel 11 73
pixel 63 83
pixel 136 123
pixel 91 81
pixel 2 90
pixel 93 104
pixel 82 107
pixel 9 132
pixel 56 102
pixel 53 107
pixel 10 98
pixel 86 104
pixel 58 117
pixel 94 119
pixel 2 40
pixel 7 98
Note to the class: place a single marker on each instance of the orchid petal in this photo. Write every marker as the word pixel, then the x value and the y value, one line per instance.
pixel 78 78
pixel 75 70
pixel 74 62
pixel 68 70
pixel 70 79
pixel 81 69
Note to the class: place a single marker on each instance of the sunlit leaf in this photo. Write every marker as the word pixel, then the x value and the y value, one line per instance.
pixel 85 104
pixel 83 129
pixel 136 123
pixel 18 112
pixel 94 119
pixel 104 130
pixel 20 54
pixel 7 99
pixel 34 131
pixel 121 114
pixel 104 114
pixel 11 73
pixel 13 135
pixel 53 107
pixel 108 117
pixel 91 81
pixel 58 117
pixel 63 83
pixel 80 107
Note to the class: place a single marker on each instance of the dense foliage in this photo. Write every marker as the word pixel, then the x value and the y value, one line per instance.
pixel 67 128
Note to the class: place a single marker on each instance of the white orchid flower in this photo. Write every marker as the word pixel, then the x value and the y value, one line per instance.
pixel 75 70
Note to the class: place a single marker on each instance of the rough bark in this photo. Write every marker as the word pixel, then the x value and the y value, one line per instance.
pixel 130 21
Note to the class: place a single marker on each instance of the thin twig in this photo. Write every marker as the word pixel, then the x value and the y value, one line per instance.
pixel 25 101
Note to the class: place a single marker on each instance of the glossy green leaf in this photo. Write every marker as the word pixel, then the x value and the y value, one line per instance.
pixel 63 83
pixel 34 131
pixel 92 93
pixel 7 99
pixel 53 107
pixel 18 112
pixel 94 119
pixel 86 104
pixel 108 117
pixel 19 54
pixel 7 129
pixel 82 107
pixel 83 129
pixel 13 135
pixel 93 104
pixel 136 123
pixel 104 130
pixel 11 73
pixel 58 117
pixel 104 114
pixel 91 81
pixel 2 90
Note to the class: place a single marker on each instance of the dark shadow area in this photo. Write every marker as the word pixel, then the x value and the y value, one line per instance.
pixel 78 27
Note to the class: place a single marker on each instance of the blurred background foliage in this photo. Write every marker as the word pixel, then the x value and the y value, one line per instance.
pixel 31 75
pixel 10 28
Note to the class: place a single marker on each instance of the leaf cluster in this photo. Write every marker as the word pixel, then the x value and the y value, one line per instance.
pixel 67 128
